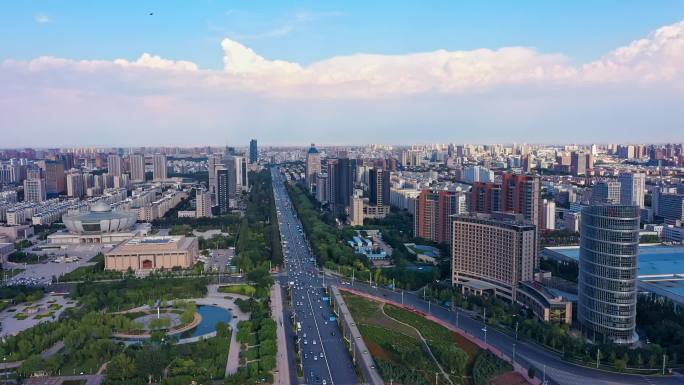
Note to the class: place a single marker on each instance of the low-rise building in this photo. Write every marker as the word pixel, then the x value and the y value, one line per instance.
pixel 545 305
pixel 152 253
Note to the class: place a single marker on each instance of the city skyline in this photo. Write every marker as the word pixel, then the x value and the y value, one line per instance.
pixel 549 82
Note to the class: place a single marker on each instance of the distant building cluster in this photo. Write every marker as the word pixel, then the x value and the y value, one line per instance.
pixel 495 205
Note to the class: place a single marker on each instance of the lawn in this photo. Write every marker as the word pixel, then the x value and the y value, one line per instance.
pixel 247 290
pixel 397 349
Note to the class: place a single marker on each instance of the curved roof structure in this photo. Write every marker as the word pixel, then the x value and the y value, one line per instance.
pixel 100 219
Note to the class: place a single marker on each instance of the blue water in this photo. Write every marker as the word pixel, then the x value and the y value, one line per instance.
pixel 211 315
pixel 425 268
pixel 653 260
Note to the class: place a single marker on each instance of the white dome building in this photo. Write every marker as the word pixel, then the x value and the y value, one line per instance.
pixel 99 225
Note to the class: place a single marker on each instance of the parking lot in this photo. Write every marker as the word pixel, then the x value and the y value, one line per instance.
pixel 218 259
pixel 59 262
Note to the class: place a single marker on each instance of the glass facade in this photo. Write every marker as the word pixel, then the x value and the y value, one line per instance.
pixel 609 249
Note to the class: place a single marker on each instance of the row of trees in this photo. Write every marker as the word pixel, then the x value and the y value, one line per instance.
pixel 657 319
pixel 257 336
pixel 259 238
pixel 329 244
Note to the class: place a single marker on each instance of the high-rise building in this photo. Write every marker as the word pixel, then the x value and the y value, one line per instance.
pixel 75 185
pixel 580 163
pixel 340 184
pixel 669 206
pixel 609 248
pixel 378 187
pixel 548 214
pixel 322 188
pixel 236 167
pixel 433 211
pixel 114 167
pixel 633 187
pixel 519 194
pixel 313 166
pixel 34 189
pixel 213 163
pixel 55 178
pixel 606 192
pixel 159 167
pixel 493 253
pixel 244 174
pixel 474 174
pixel 253 154
pixel 202 204
pixel 222 190
pixel 137 162
pixel 68 160
pixel 356 212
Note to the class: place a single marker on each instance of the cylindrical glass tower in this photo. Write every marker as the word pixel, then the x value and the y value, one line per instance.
pixel 609 248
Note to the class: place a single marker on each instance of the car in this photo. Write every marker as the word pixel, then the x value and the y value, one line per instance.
pixel 314 342
pixel 315 358
pixel 321 354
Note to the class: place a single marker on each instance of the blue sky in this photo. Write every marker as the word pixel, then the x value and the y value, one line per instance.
pixel 336 72
pixel 306 31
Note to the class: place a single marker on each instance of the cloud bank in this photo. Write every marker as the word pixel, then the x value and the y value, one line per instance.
pixel 429 95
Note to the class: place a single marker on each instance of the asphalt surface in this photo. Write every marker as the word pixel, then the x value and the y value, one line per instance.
pixel 324 356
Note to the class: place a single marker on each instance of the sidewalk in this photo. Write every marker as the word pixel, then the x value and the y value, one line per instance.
pixel 281 375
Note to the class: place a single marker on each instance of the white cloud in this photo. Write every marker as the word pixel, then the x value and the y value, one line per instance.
pixel 42 18
pixel 355 95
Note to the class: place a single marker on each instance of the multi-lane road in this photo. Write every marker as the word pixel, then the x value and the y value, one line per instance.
pixel 311 312
pixel 324 356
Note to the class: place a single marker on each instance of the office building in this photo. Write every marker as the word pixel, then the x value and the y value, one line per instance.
pixel 606 192
pixel 253 153
pixel 580 163
pixel 222 190
pixel 669 206
pixel 202 204
pixel 313 166
pixel 237 177
pixel 548 215
pixel 55 179
pixel 379 187
pixel 492 254
pixel 633 189
pixel 137 163
pixel 244 174
pixel 213 164
pixel 340 184
pixel 159 168
pixel 114 166
pixel 609 247
pixel 322 188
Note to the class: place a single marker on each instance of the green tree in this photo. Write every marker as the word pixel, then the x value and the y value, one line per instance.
pixel 121 367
